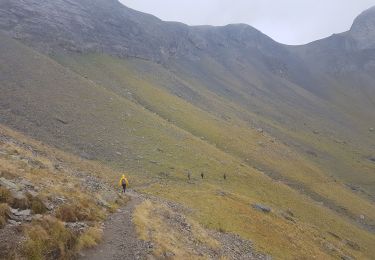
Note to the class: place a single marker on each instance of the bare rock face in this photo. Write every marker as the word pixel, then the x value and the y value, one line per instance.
pixel 108 26
pixel 363 30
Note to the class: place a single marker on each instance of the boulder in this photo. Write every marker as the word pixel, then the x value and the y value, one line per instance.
pixel 20 215
pixel 262 208
pixel 24 213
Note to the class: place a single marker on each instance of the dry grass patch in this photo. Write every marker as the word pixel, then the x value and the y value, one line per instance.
pixel 80 211
pixel 49 239
pixel 173 233
pixel 59 180
pixel 90 238
pixel 4 211
pixel 5 196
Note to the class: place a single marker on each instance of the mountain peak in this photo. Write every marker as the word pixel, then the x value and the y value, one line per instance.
pixel 363 29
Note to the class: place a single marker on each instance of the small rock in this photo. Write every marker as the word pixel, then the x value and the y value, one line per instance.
pixel 60 200
pixel 262 208
pixel 169 254
pixel 316 132
pixel 371 129
pixel 260 130
pixel 288 217
pixel 221 193
pixel 24 213
pixel 13 222
pixel 334 235
pixel 312 153
pixel 37 217
pixel 362 217
pixel 353 245
pixel 27 183
pixel 101 202
pixel 290 212
pixel 8 184
pixel 32 193
pixel 58 167
pixel 49 206
pixel 77 227
pixel 329 246
pixel 345 257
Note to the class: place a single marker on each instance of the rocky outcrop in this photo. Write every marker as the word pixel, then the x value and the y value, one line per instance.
pixel 108 26
pixel 363 30
pixel 262 208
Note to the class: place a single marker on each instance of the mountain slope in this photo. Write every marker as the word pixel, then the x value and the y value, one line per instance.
pixel 162 99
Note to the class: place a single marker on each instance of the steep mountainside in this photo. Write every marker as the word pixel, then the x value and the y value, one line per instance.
pixel 291 126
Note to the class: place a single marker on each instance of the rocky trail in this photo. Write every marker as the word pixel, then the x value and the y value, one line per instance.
pixel 120 238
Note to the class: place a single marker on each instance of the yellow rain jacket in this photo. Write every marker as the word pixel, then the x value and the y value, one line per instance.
pixel 123 178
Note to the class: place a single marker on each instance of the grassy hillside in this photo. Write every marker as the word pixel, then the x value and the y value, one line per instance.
pixel 106 109
pixel 67 198
pixel 233 135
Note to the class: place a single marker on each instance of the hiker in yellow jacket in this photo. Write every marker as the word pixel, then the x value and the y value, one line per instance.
pixel 124 183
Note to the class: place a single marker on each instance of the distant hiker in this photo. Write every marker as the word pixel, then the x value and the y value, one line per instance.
pixel 124 183
pixel 225 176
pixel 202 175
pixel 189 176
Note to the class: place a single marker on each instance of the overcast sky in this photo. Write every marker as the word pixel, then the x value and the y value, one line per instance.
pixel 287 21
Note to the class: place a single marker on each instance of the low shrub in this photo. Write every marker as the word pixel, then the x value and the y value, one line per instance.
pixel 37 206
pixel 49 239
pixel 90 238
pixel 79 212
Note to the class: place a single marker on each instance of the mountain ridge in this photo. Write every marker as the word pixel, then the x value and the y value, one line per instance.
pixel 290 126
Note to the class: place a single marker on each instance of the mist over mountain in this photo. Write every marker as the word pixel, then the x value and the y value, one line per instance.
pixel 293 126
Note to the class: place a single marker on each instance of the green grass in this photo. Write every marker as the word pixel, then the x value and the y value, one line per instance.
pixel 119 114
pixel 231 137
pixel 202 141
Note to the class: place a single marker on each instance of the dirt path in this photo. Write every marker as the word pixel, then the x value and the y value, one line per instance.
pixel 120 238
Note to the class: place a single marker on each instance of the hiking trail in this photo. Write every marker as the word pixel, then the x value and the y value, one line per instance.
pixel 120 239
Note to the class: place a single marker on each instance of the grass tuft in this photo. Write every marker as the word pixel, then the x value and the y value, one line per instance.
pixel 48 238
pixel 4 211
pixel 82 211
pixel 37 206
pixel 5 196
pixel 90 238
